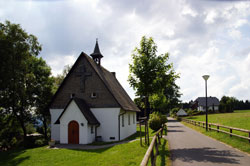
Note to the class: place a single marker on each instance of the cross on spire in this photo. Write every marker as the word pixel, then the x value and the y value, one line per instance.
pixel 96 55
pixel 83 74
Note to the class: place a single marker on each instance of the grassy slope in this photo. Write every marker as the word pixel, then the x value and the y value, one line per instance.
pixel 239 119
pixel 125 154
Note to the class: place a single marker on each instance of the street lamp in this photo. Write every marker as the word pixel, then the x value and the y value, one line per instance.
pixel 205 77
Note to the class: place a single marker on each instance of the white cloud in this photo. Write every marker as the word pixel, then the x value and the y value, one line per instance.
pixel 57 62
pixel 202 37
pixel 235 34
pixel 188 11
pixel 211 16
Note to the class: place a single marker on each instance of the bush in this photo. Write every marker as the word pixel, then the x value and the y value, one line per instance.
pixel 191 112
pixel 156 120
pixel 40 142
pixel 30 128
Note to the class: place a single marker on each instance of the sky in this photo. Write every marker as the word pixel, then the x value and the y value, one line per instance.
pixel 201 36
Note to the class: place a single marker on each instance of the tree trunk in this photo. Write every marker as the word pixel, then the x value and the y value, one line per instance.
pixel 147 107
pixel 24 130
pixel 20 120
pixel 45 128
pixel 22 123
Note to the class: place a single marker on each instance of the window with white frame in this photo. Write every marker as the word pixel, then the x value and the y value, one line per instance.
pixel 133 118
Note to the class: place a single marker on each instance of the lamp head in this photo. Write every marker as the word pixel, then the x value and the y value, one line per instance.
pixel 205 77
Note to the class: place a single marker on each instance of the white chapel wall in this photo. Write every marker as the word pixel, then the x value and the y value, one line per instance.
pixel 108 118
pixel 73 113
pixel 128 129
pixel 91 136
pixel 55 128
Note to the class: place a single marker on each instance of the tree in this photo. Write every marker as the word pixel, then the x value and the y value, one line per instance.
pixel 21 74
pixel 150 74
pixel 227 104
pixel 43 91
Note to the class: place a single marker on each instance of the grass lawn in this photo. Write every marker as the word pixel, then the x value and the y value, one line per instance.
pixel 238 119
pixel 120 155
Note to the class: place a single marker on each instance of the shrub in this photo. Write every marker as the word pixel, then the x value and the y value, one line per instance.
pixel 156 120
pixel 40 142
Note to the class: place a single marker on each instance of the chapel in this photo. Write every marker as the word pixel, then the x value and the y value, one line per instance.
pixel 91 105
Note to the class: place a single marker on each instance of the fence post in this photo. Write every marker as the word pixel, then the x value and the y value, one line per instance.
pixel 140 134
pixel 231 132
pixel 152 157
pixel 249 137
pixel 145 124
pixel 218 127
pixel 165 129
pixel 159 139
pixel 209 126
pixel 156 147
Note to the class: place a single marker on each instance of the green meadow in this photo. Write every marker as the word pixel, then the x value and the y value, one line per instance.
pixel 238 119
pixel 127 154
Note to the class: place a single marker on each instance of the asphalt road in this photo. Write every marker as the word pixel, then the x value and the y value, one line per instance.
pixel 189 147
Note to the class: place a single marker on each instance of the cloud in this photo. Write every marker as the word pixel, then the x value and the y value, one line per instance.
pixel 202 37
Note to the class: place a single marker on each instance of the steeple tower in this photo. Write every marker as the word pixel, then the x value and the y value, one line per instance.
pixel 96 55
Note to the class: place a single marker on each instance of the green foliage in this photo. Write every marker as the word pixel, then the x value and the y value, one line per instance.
pixel 152 77
pixel 191 112
pixel 10 132
pixel 227 104
pixel 174 111
pixel 25 83
pixel 30 128
pixel 17 49
pixel 156 120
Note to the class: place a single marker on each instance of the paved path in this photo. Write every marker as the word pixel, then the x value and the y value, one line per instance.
pixel 189 147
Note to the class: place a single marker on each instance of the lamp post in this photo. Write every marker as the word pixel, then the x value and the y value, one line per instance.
pixel 205 77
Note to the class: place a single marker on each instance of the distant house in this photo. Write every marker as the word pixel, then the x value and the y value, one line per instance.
pixel 212 103
pixel 181 112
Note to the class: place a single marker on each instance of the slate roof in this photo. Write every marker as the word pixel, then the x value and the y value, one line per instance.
pixel 113 86
pixel 210 101
pixel 84 109
pixel 109 80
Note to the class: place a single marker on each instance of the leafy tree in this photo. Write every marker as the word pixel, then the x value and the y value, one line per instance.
pixel 43 91
pixel 23 81
pixel 150 74
pixel 17 48
pixel 227 104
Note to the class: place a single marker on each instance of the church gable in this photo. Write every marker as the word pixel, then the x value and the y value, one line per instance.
pixel 83 82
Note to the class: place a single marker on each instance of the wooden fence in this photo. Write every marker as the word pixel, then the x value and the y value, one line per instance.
pixel 156 141
pixel 218 126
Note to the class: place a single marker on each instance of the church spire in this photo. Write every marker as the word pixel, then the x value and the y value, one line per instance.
pixel 96 55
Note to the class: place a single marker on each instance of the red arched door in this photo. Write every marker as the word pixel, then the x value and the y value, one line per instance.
pixel 73 132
